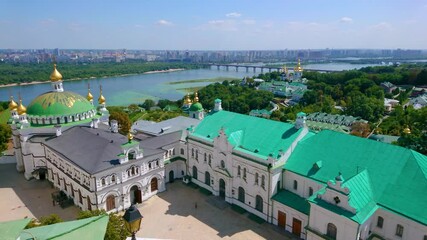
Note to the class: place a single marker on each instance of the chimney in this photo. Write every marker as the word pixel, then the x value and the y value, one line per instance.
pixel 94 123
pixel 218 106
pixel 58 130
pixel 114 126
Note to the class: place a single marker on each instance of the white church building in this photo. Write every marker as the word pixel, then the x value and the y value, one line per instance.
pixel 317 186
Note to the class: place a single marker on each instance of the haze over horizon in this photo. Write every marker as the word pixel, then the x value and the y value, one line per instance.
pixel 213 25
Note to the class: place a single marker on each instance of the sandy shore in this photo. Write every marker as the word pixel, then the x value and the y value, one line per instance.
pixel 74 79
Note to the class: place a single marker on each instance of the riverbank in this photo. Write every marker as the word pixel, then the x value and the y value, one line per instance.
pixel 74 79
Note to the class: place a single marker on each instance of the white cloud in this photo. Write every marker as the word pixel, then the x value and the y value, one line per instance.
pixel 382 26
pixel 249 22
pixel 346 20
pixel 47 22
pixel 233 15
pixel 164 22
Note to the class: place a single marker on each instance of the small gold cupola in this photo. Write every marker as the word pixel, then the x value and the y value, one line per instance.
pixel 298 68
pixel 130 136
pixel 101 99
pixel 89 96
pixel 188 99
pixel 196 97
pixel 12 104
pixel 21 108
pixel 55 75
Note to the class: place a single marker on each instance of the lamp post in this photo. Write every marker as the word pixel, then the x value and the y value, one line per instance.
pixel 132 219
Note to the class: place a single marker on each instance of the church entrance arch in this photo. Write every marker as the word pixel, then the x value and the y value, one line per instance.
pixel 135 195
pixel 171 176
pixel 222 188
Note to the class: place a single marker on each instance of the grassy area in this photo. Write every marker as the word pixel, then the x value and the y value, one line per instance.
pixel 256 219
pixel 218 79
pixel 238 209
pixel 4 116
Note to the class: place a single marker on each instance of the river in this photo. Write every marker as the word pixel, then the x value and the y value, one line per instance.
pixel 124 90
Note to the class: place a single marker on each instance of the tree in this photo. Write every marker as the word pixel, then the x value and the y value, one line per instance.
pixel 148 103
pixel 360 129
pixel 116 229
pixel 123 121
pixel 5 134
pixel 45 220
pixel 421 78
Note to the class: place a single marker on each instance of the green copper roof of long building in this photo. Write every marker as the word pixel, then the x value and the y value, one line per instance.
pixel 59 104
pixel 257 136
pixel 396 176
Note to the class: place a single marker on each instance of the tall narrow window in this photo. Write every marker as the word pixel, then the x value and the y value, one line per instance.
pixel 103 182
pixel 380 222
pixel 310 191
pixel 256 179
pixel 263 181
pixel 244 174
pixel 192 152
pixel 331 231
pixel 399 230
pixel 182 151
pixel 205 157
pixel 197 154
pixel 295 185
pixel 113 178
pixel 238 171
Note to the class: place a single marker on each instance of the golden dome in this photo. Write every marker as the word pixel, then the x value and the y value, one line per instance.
pixel 196 97
pixel 89 96
pixel 130 136
pixel 407 130
pixel 21 108
pixel 55 75
pixel 101 99
pixel 298 68
pixel 285 69
pixel 12 104
pixel 188 99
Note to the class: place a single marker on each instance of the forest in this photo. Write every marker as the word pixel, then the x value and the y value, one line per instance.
pixel 30 72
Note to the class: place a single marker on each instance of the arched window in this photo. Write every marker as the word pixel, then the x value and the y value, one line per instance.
pixel 295 185
pixel 195 172
pixel 256 179
pixel 222 164
pixel 207 178
pixel 113 178
pixel 210 162
pixel 380 222
pixel 205 157
pixel 263 181
pixel 192 152
pixel 259 203
pixel 331 231
pixel 80 197
pixel 238 171
pixel 132 171
pixel 310 191
pixel 244 174
pixel 241 195
pixel 210 158
pixel 173 151
pixel 197 154
pixel 182 151
pixel 103 182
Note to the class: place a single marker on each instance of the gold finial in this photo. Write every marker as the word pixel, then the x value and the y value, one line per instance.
pixel 196 97
pixel 285 69
pixel 89 96
pixel 12 104
pixel 55 75
pixel 298 68
pixel 130 136
pixel 101 99
pixel 407 130
pixel 21 108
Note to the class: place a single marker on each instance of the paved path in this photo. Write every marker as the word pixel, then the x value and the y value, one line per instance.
pixel 173 215
pixel 20 198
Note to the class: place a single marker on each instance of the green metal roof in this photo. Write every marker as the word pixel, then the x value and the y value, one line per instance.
pixel 10 230
pixel 397 176
pixel 293 200
pixel 196 107
pixel 59 104
pixel 89 228
pixel 257 136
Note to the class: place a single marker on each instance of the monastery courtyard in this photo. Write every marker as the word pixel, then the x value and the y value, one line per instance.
pixel 169 215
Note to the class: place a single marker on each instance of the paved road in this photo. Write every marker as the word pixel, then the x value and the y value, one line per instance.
pixel 173 215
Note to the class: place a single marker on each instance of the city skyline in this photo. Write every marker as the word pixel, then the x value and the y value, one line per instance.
pixel 213 25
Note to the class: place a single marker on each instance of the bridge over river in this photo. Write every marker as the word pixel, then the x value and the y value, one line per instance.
pixel 262 68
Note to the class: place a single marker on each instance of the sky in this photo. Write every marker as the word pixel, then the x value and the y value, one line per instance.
pixel 213 24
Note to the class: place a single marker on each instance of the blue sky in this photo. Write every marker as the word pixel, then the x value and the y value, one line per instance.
pixel 213 25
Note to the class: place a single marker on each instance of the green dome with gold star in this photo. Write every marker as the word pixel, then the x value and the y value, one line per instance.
pixel 59 104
